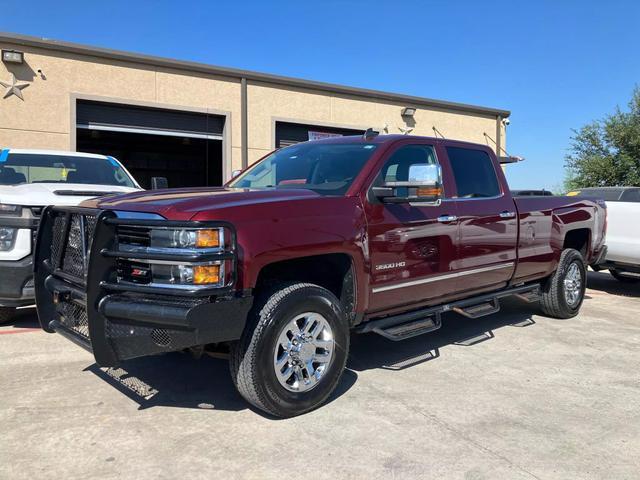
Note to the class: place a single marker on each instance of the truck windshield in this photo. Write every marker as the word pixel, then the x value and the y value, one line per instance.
pixel 20 168
pixel 325 168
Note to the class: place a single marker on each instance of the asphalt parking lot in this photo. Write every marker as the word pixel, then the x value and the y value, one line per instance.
pixel 515 395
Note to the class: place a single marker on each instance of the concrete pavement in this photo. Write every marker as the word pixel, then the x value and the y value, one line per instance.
pixel 515 396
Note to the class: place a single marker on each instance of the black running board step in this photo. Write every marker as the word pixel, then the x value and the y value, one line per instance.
pixel 529 297
pixel 410 329
pixel 480 309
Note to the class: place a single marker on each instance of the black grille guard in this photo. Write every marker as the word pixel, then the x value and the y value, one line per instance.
pixel 54 285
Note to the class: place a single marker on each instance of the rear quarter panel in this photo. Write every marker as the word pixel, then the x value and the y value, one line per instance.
pixel 544 223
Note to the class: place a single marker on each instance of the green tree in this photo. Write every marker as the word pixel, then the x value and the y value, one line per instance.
pixel 606 152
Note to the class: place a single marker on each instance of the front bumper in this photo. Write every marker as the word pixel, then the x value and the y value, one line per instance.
pixel 16 283
pixel 118 322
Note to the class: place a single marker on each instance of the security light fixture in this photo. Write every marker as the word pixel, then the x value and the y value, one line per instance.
pixel 12 56
pixel 408 112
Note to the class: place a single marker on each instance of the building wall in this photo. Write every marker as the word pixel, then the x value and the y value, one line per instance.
pixel 45 118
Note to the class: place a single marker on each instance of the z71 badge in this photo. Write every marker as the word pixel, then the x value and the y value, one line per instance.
pixel 388 266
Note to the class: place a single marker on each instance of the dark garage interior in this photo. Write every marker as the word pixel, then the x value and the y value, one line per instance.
pixel 184 147
pixel 186 162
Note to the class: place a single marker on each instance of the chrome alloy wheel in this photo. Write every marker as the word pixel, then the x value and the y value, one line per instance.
pixel 572 285
pixel 303 352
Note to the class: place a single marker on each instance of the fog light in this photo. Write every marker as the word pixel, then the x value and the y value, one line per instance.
pixel 206 274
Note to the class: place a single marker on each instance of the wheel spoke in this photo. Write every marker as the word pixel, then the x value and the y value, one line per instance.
pixel 324 344
pixel 283 359
pixel 286 374
pixel 310 322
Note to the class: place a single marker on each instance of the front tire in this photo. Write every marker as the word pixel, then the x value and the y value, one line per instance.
pixel 293 350
pixel 563 293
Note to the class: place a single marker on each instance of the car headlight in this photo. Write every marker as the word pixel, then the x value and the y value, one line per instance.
pixel 6 209
pixel 7 238
pixel 187 238
pixel 210 275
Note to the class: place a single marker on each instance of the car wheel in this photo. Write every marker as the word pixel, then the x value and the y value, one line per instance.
pixel 6 314
pixel 624 276
pixel 563 292
pixel 293 350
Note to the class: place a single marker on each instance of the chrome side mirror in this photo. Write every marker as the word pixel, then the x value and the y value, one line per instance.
pixel 424 186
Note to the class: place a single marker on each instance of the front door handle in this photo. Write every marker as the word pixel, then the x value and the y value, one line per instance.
pixel 507 214
pixel 447 218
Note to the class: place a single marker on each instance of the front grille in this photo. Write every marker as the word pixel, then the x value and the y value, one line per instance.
pixel 74 317
pixel 74 255
pixel 137 236
pixel 76 243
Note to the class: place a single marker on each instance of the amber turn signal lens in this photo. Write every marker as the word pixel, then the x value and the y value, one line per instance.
pixel 429 192
pixel 206 274
pixel 208 238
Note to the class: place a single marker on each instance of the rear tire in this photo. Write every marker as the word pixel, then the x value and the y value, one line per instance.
pixel 563 293
pixel 293 350
pixel 6 314
pixel 621 277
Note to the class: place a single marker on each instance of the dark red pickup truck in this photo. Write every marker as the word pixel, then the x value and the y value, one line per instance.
pixel 372 233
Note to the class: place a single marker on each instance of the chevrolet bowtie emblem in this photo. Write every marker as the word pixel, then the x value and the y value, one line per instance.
pixel 13 87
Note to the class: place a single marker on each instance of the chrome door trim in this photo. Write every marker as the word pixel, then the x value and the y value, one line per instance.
pixel 446 276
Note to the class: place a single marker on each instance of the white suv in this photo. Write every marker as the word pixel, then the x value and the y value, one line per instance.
pixel 31 180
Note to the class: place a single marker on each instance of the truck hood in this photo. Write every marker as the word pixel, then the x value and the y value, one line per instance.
pixel 43 194
pixel 183 204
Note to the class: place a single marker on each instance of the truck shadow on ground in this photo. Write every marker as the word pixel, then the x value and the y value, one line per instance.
pixel 604 282
pixel 25 317
pixel 370 351
pixel 179 380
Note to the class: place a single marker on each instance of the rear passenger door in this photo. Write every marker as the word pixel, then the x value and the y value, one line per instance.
pixel 488 222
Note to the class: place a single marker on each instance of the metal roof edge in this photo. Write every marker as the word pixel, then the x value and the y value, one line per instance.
pixel 45 43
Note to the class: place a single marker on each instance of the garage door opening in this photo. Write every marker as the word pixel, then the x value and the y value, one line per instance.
pixel 185 147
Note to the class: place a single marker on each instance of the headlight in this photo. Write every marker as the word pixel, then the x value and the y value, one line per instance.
pixel 7 238
pixel 188 238
pixel 188 257
pixel 10 209
pixel 210 275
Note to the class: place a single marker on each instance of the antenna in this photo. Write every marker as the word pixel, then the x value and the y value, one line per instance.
pixel 506 158
pixel 437 132
pixel 370 134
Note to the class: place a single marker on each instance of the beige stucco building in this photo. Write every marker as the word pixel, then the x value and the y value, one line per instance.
pixel 192 122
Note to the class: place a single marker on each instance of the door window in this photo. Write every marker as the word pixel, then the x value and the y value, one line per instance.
pixel 408 163
pixel 474 174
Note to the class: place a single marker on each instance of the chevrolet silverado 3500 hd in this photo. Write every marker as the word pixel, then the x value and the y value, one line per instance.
pixel 373 234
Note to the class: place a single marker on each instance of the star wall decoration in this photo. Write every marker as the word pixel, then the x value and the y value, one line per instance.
pixel 13 87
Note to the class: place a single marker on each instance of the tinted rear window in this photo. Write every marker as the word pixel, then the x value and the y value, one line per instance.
pixel 474 173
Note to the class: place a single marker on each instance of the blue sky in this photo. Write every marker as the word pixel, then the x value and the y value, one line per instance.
pixel 555 64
